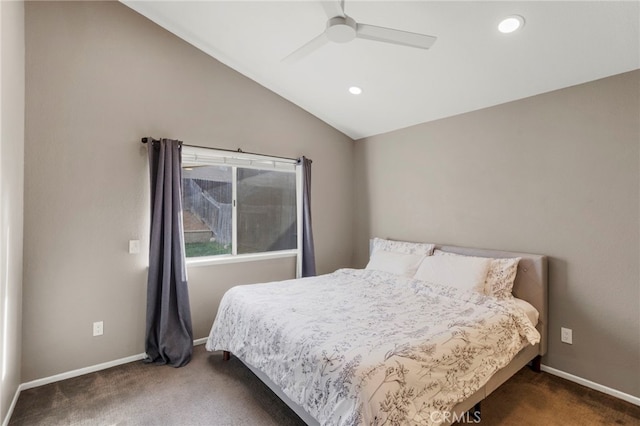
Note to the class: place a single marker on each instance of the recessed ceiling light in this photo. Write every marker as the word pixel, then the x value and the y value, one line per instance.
pixel 355 90
pixel 511 24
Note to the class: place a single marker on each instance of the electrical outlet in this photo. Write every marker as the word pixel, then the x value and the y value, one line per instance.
pixel 566 335
pixel 98 328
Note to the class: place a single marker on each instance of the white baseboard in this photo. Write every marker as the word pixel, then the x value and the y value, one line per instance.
pixel 80 372
pixel 592 385
pixel 91 369
pixel 5 422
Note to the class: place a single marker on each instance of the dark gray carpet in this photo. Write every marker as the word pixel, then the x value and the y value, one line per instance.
pixel 541 399
pixel 209 391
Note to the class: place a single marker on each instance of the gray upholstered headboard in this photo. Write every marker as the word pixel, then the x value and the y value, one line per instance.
pixel 531 281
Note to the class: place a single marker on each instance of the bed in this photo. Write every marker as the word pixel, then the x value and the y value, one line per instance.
pixel 375 347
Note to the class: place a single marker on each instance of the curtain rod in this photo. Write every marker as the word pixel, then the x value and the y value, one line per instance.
pixel 239 151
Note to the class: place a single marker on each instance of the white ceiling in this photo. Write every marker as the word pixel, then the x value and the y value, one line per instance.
pixel 471 65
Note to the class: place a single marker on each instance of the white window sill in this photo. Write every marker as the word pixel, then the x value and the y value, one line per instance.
pixel 221 260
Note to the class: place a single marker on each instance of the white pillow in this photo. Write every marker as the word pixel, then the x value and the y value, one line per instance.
pixel 500 277
pixel 395 263
pixel 465 273
pixel 423 249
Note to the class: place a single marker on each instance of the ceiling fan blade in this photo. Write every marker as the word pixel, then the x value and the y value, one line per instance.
pixel 389 35
pixel 306 49
pixel 333 8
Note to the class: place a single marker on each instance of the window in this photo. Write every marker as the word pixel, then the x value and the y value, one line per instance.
pixel 238 204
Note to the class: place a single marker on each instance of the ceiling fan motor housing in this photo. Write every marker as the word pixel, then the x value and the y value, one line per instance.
pixel 341 29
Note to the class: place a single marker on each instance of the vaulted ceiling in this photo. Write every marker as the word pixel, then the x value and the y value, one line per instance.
pixel 471 65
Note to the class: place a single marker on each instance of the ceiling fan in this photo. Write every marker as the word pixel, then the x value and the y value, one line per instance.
pixel 341 28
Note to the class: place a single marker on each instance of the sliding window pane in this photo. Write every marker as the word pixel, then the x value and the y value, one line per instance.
pixel 207 210
pixel 266 211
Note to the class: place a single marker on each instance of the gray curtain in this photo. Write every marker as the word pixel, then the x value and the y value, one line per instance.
pixel 308 253
pixel 169 336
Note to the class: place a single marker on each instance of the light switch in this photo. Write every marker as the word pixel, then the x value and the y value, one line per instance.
pixel 134 246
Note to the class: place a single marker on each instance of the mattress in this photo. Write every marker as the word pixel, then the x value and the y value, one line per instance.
pixel 368 347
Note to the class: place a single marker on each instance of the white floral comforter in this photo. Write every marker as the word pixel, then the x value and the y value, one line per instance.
pixel 361 347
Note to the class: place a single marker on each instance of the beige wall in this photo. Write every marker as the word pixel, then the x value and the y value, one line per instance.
pixel 100 77
pixel 11 197
pixel 556 174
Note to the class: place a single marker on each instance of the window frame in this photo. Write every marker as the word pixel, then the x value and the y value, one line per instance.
pixel 235 160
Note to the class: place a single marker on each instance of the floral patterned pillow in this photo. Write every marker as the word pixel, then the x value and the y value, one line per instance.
pixel 405 247
pixel 500 278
